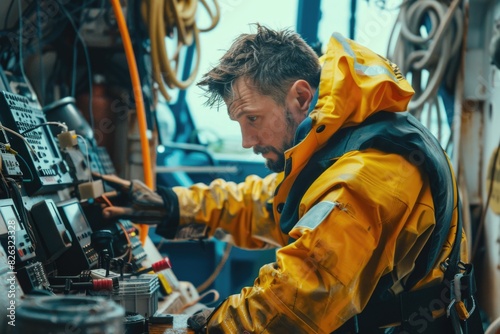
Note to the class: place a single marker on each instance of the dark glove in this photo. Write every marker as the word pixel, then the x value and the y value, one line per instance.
pixel 198 321
pixel 134 201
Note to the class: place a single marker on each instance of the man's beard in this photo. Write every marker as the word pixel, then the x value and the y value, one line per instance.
pixel 279 165
pixel 275 166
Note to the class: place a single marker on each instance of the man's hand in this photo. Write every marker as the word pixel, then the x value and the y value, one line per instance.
pixel 133 200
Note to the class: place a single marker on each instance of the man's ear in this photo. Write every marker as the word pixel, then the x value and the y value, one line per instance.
pixel 301 95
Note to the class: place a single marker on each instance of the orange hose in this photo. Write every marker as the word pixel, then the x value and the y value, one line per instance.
pixel 139 102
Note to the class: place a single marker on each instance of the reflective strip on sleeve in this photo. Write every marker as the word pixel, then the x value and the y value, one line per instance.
pixel 316 215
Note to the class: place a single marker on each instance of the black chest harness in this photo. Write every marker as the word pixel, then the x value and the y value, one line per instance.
pixel 416 312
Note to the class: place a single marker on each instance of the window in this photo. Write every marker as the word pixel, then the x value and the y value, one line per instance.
pixel 373 28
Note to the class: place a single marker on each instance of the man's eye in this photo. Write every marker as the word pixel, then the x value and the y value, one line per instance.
pixel 252 118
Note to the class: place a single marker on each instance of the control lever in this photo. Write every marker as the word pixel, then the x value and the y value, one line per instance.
pixel 156 267
pixel 95 285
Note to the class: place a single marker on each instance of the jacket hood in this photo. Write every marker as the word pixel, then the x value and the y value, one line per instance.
pixel 355 83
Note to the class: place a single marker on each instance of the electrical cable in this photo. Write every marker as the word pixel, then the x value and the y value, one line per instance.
pixel 5 186
pixel 194 302
pixel 11 151
pixel 163 18
pixel 27 167
pixel 40 52
pixel 18 201
pixel 9 148
pixel 125 233
pixel 217 269
pixel 52 79
pixel 20 136
pixel 35 39
pixel 7 14
pixel 73 69
pixel 86 19
pixel 21 60
pixel 139 101
pixel 426 54
pixel 62 125
pixel 129 243
pixel 7 144
pixel 87 60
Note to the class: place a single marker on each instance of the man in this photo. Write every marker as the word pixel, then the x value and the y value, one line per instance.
pixel 363 202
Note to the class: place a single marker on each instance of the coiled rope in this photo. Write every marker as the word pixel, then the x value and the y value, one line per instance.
pixel 427 49
pixel 174 19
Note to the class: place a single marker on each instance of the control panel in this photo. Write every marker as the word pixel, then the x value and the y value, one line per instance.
pixel 54 237
pixel 30 136
pixel 9 164
pixel 20 249
pixel 33 276
pixel 13 233
pixel 126 231
pixel 50 228
pixel 18 85
pixel 81 255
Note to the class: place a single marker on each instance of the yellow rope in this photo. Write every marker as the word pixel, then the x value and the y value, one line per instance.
pixel 174 19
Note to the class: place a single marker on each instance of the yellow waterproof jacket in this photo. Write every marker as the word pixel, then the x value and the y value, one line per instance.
pixel 368 215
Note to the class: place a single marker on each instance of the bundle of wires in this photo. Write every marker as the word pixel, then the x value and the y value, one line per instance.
pixel 427 49
pixel 174 18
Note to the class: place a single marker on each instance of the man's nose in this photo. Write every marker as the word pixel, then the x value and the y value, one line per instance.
pixel 249 139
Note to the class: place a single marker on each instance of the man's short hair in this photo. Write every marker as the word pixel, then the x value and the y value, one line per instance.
pixel 271 60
